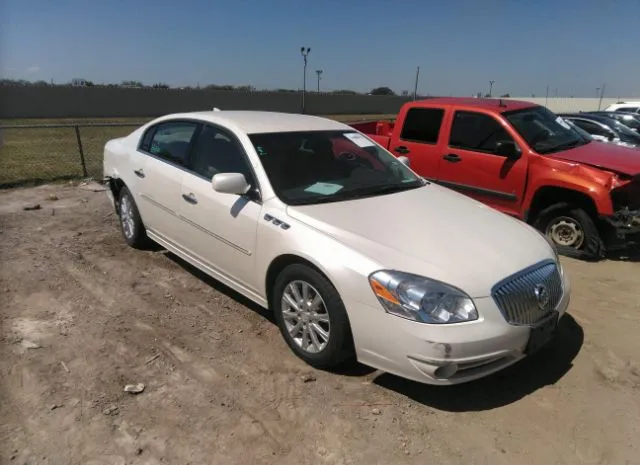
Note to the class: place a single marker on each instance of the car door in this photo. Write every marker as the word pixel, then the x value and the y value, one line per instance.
pixel 221 227
pixel 164 150
pixel 420 140
pixel 470 162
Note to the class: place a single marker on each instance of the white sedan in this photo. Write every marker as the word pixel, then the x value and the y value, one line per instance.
pixel 357 256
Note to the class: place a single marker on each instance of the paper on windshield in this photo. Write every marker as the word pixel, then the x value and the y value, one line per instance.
pixel 323 188
pixel 358 139
pixel 562 123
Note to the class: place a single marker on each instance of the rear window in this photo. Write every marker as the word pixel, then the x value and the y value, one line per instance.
pixel 629 109
pixel 422 125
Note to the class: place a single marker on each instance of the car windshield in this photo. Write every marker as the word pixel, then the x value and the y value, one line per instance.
pixel 626 133
pixel 544 131
pixel 329 166
pixel 628 120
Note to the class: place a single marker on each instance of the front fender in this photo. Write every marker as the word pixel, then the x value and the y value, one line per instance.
pixel 590 182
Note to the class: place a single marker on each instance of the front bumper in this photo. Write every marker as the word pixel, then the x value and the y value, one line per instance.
pixel 443 354
pixel 625 226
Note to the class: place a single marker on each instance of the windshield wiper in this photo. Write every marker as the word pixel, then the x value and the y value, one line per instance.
pixel 361 192
pixel 568 145
pixel 380 190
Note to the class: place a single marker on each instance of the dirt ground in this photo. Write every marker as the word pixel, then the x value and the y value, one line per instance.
pixel 82 315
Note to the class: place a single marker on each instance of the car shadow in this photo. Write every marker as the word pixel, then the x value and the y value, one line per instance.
pixel 348 369
pixel 630 254
pixel 222 288
pixel 545 368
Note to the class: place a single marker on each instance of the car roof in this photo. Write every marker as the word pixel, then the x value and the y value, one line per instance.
pixel 472 102
pixel 254 122
pixel 600 118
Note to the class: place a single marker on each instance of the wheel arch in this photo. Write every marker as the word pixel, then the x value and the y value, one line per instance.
pixel 548 196
pixel 115 186
pixel 279 263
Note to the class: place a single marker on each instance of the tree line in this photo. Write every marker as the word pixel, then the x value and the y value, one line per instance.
pixel 161 85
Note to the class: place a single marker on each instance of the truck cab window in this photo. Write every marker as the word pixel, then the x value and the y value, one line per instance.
pixel 422 125
pixel 477 132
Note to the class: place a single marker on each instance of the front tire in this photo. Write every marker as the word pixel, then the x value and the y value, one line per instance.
pixel 312 317
pixel 130 222
pixel 572 230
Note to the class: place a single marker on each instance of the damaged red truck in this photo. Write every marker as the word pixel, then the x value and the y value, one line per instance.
pixel 525 161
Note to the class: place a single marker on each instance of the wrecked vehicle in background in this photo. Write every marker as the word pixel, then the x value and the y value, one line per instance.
pixel 523 160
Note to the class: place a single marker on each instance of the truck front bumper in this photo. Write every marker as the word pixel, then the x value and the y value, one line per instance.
pixel 625 225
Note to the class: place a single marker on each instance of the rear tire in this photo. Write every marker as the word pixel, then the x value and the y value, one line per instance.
pixel 572 230
pixel 312 317
pixel 133 229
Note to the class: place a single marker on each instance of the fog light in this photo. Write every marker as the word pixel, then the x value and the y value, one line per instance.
pixel 446 371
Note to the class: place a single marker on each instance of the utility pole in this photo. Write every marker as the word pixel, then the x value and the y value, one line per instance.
pixel 319 73
pixel 601 95
pixel 304 51
pixel 491 87
pixel 415 87
pixel 546 97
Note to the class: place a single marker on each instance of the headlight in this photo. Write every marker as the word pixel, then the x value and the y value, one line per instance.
pixel 421 299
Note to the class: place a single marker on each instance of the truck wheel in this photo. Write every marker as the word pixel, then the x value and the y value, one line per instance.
pixel 572 231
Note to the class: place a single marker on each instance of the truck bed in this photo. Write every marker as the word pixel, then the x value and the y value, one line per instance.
pixel 380 131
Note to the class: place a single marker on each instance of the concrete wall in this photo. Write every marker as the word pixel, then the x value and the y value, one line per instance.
pixel 72 102
pixel 95 102
pixel 566 104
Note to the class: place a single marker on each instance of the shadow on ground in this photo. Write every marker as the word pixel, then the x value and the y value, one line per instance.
pixel 630 254
pixel 545 368
pixel 351 369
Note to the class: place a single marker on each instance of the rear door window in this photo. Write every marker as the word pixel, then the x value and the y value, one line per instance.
pixel 477 132
pixel 171 141
pixel 422 125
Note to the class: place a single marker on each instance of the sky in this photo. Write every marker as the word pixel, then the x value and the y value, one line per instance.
pixel 573 46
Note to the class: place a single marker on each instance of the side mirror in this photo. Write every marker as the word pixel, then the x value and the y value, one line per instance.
pixel 508 148
pixel 230 183
pixel 404 160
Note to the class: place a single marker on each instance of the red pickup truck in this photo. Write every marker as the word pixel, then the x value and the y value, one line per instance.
pixel 524 160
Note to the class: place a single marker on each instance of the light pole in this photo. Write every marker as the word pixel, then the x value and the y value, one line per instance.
pixel 305 52
pixel 318 73
pixel 490 87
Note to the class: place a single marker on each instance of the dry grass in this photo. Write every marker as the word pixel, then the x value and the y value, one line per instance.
pixel 37 155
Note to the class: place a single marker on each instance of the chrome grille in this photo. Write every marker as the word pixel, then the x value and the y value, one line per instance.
pixel 521 297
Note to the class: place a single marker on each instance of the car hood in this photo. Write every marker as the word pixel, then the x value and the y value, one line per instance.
pixel 434 232
pixel 611 157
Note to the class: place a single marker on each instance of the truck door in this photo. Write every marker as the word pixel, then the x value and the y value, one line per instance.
pixel 472 161
pixel 420 139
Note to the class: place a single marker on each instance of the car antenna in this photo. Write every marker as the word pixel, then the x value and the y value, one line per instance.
pixel 501 104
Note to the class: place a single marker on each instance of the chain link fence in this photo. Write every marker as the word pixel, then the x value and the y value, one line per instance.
pixel 38 153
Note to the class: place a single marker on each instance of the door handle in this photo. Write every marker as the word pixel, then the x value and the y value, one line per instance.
pixel 190 198
pixel 401 149
pixel 139 173
pixel 452 157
